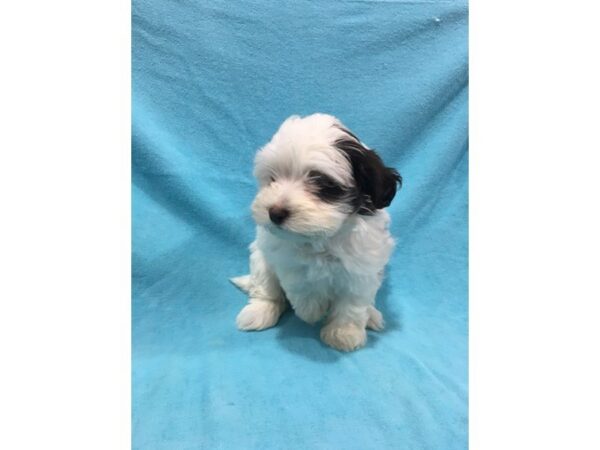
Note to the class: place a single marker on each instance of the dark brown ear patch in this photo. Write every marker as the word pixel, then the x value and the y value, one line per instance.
pixel 375 183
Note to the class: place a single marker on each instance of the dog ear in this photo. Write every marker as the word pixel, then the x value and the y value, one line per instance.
pixel 375 183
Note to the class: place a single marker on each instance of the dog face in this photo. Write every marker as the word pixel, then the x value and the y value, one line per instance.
pixel 314 174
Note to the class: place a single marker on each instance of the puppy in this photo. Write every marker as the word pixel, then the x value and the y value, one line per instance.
pixel 322 238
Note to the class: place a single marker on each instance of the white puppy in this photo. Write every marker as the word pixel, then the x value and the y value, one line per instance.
pixel 322 238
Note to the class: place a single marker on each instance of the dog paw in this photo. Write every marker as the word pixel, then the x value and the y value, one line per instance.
pixel 259 315
pixel 375 321
pixel 242 283
pixel 346 337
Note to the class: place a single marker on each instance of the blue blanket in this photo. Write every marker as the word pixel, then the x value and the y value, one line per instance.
pixel 212 80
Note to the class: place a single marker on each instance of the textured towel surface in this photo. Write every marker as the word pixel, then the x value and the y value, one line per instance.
pixel 212 81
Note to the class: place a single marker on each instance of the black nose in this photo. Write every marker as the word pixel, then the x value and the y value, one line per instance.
pixel 278 214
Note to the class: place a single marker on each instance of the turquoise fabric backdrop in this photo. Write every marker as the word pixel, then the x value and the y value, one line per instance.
pixel 212 81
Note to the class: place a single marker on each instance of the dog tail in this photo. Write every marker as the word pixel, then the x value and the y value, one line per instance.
pixel 242 283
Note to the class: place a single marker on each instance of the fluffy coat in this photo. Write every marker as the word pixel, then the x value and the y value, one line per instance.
pixel 322 238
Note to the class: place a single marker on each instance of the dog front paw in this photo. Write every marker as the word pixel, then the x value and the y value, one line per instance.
pixel 259 315
pixel 345 337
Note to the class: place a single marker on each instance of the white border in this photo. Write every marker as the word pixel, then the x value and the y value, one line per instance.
pixel 65 226
pixel 534 221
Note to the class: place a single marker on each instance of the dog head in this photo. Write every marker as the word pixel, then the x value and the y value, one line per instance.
pixel 314 174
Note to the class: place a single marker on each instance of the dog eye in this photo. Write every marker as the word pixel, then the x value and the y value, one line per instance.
pixel 320 178
pixel 271 179
pixel 326 188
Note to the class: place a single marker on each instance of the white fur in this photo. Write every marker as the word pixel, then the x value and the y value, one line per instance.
pixel 325 260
